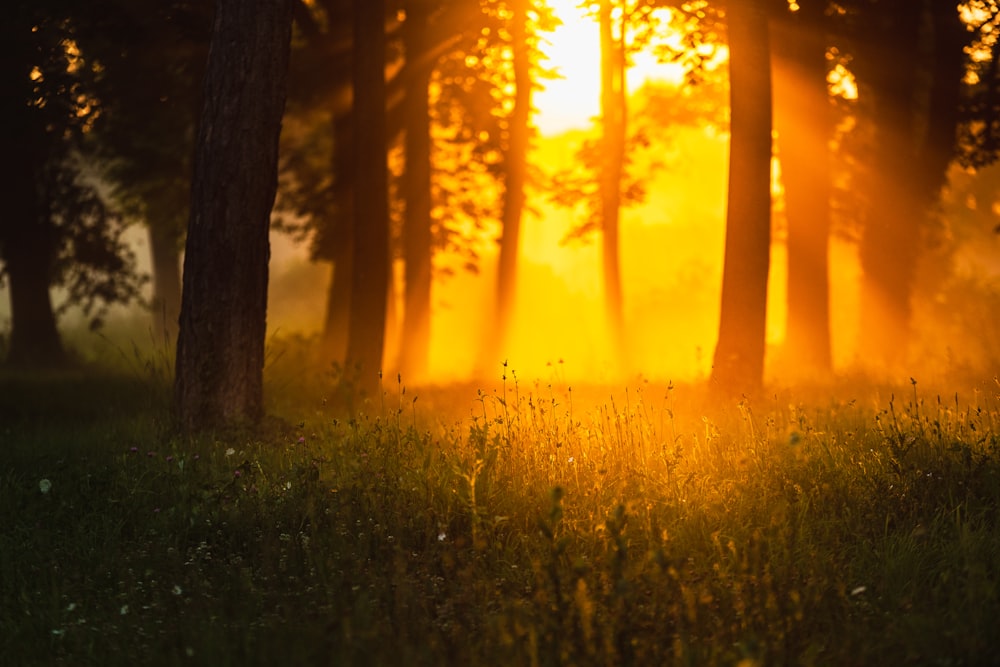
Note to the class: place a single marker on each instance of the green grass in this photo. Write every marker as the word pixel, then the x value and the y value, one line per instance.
pixel 503 526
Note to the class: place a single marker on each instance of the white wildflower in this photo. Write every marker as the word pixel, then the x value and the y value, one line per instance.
pixel 230 451
pixel 44 486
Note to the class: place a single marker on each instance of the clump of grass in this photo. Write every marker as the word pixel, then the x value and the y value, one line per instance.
pixel 527 527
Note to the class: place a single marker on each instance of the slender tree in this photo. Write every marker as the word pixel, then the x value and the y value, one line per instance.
pixel 739 355
pixel 370 270
pixel 614 130
pixel 220 347
pixel 803 118
pixel 417 237
pixel 515 168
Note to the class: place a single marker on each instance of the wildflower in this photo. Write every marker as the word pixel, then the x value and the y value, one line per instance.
pixel 230 452
pixel 302 439
pixel 150 454
pixel 44 486
pixel 237 473
pixel 170 458
pixel 441 536
pixel 71 606
pixel 176 590
pixel 859 590
pixel 134 450
pixel 124 610
pixel 571 460
pixel 288 486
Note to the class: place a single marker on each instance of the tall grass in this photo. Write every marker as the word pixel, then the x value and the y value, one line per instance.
pixel 530 525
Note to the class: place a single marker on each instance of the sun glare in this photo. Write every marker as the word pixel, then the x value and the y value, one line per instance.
pixel 573 99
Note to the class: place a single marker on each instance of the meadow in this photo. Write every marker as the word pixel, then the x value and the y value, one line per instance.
pixel 513 524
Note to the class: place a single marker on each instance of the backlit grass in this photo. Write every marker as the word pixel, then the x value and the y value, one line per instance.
pixel 499 526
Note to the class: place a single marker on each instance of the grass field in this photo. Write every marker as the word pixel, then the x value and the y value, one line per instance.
pixel 512 525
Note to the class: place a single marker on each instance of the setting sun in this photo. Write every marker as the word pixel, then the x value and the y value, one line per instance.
pixel 572 100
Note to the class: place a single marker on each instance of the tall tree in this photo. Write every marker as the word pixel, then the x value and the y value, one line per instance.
pixel 417 236
pixel 370 271
pixel 739 355
pixel 803 119
pixel 57 229
pixel 515 172
pixel 220 347
pixel 613 137
pixel 910 69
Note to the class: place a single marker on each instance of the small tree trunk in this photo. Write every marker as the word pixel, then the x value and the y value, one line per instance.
pixel 220 347
pixel 890 240
pixel 804 124
pixel 338 242
pixel 515 176
pixel 166 262
pixel 613 110
pixel 417 193
pixel 369 280
pixel 739 354
pixel 34 337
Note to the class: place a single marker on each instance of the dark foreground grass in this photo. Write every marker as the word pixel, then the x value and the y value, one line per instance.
pixel 520 529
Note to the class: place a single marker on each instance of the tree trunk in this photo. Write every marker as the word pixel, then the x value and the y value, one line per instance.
pixel 417 250
pixel 339 244
pixel 613 110
pixel 804 124
pixel 220 347
pixel 370 276
pixel 515 177
pixel 739 354
pixel 166 262
pixel 890 240
pixel 27 238
pixel 34 337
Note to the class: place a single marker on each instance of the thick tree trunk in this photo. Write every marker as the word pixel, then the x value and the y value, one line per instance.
pixel 515 176
pixel 613 117
pixel 220 347
pixel 804 123
pixel 166 262
pixel 415 344
pixel 369 281
pixel 739 354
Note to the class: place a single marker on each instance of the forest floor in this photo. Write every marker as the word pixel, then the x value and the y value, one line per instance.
pixel 512 525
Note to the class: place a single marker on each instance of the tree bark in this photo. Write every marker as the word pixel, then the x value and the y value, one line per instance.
pixel 418 255
pixel 804 123
pixel 613 112
pixel 370 275
pixel 220 347
pixel 515 176
pixel 739 355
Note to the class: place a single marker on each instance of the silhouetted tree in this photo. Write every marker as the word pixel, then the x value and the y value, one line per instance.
pixel 804 121
pixel 370 275
pixel 220 347
pixel 909 101
pixel 614 128
pixel 57 229
pixel 739 355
